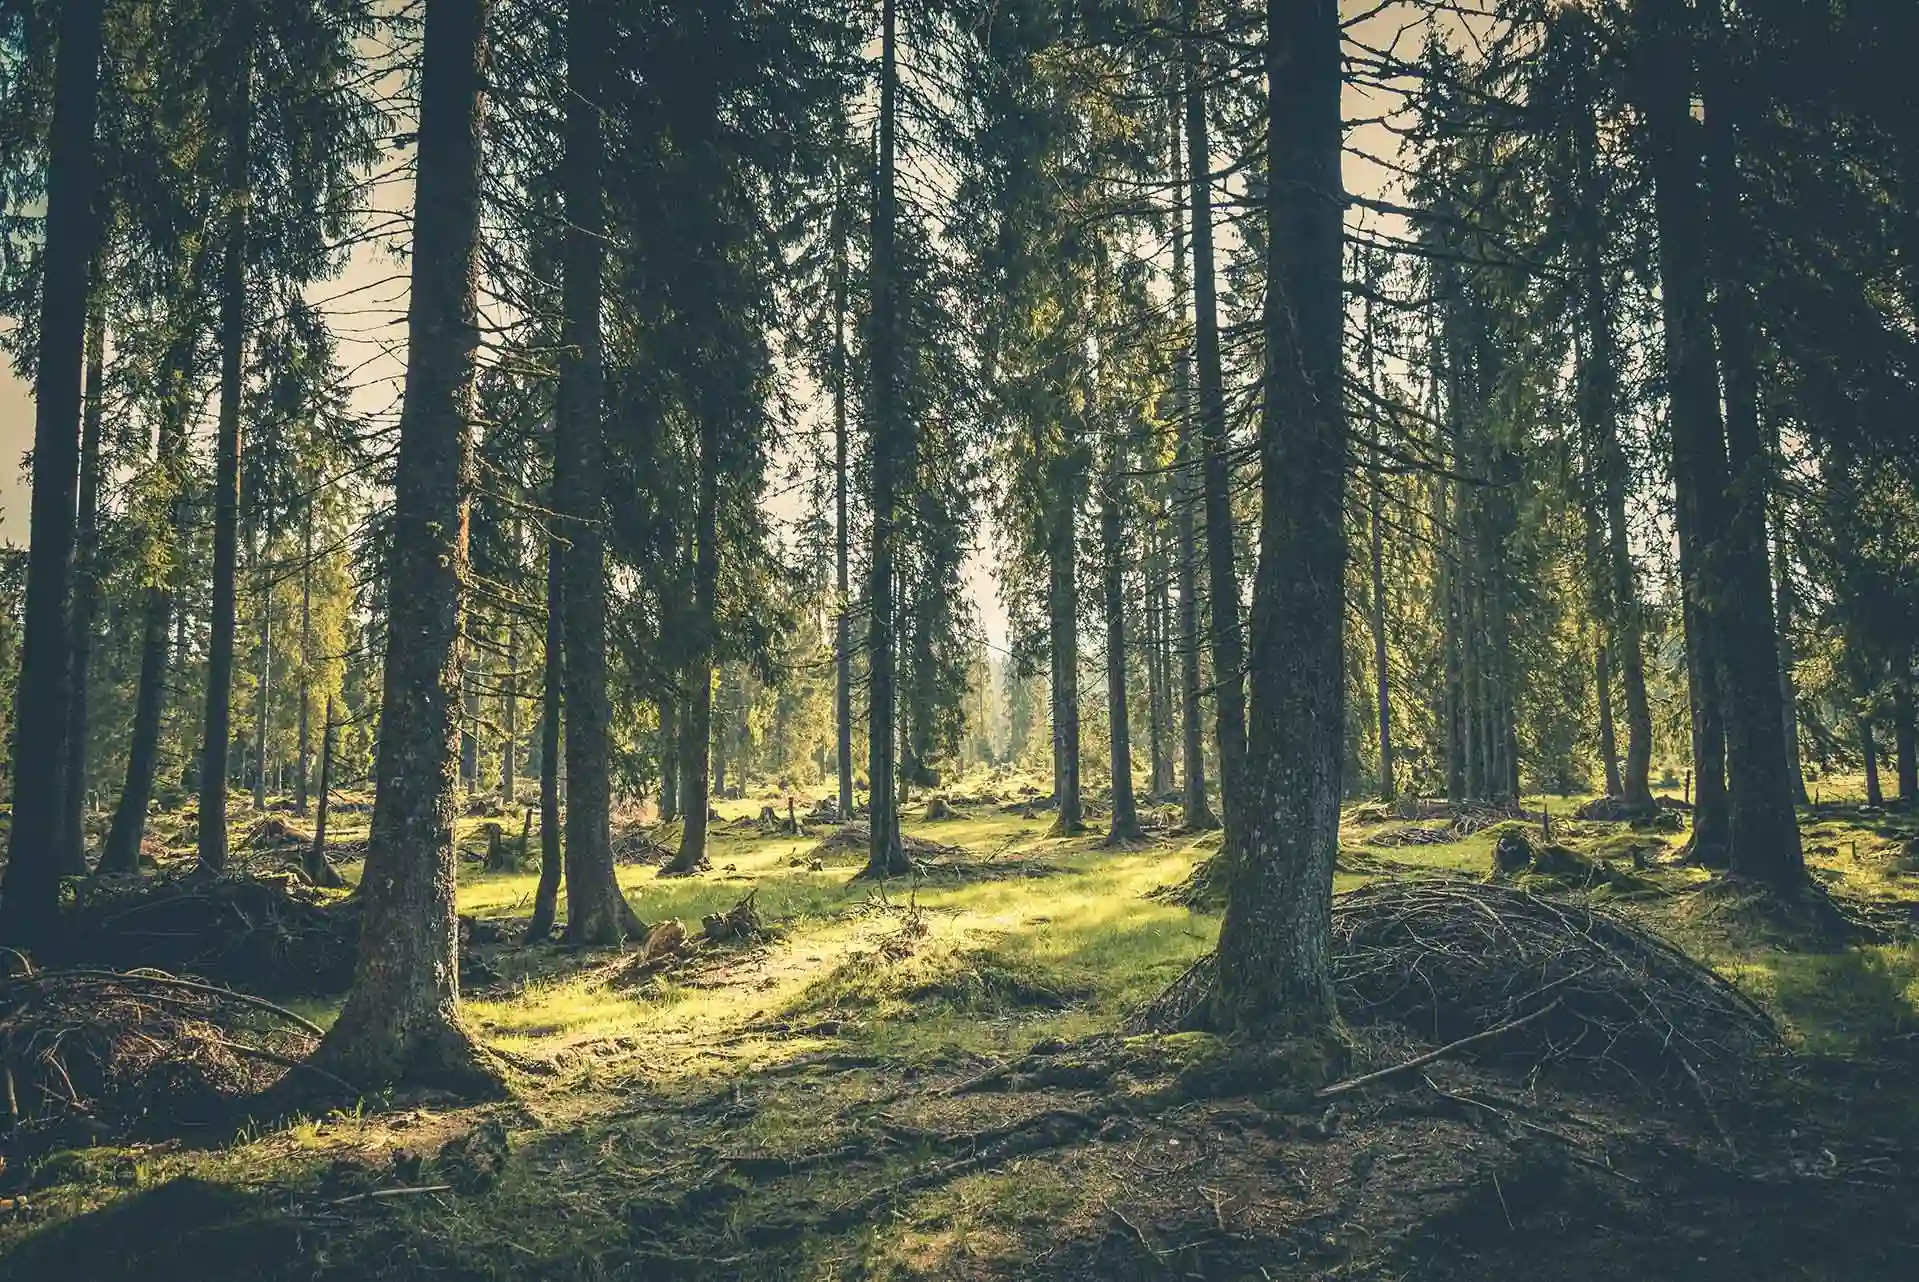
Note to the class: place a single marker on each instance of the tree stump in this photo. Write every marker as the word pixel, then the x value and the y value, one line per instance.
pixel 497 857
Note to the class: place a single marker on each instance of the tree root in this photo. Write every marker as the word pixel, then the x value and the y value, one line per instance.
pixel 446 1057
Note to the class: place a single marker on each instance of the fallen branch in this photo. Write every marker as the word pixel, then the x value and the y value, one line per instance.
pixel 288 1062
pixel 378 1194
pixel 1420 1061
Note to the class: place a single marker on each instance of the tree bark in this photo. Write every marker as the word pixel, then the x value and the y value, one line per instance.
pixel 1869 748
pixel 1608 735
pixel 318 870
pixel 30 893
pixel 1125 826
pixel 842 540
pixel 1229 660
pixel 1715 460
pixel 217 721
pixel 304 765
pixel 1698 449
pixel 669 755
pixel 720 725
pixel 1275 941
pixel 596 912
pixel 1902 730
pixel 510 746
pixel 696 762
pixel 1765 827
pixel 86 598
pixel 546 892
pixel 1711 840
pixel 470 718
pixel 1062 606
pixel 1783 610
pixel 1446 576
pixel 892 446
pixel 1160 769
pixel 695 765
pixel 1196 815
pixel 401 1020
pixel 263 697
pixel 1376 559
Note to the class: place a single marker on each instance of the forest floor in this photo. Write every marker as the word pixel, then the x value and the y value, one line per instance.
pixel 924 1080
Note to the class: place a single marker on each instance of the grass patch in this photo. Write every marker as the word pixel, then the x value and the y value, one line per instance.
pixel 705 1122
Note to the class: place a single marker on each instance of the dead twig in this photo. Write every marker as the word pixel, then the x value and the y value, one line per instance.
pixel 382 1194
pixel 1420 1061
pixel 174 981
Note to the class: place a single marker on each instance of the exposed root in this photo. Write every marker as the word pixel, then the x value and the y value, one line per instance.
pixel 1203 889
pixel 445 1057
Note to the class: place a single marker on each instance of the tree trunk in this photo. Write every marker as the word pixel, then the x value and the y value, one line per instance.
pixel 1062 603
pixel 1275 941
pixel 30 894
pixel 300 800
pixel 318 870
pixel 842 541
pixel 546 893
pixel 1229 699
pixel 669 756
pixel 1452 729
pixel 1783 610
pixel 1698 438
pixel 1160 766
pixel 696 762
pixel 217 732
pixel 1713 471
pixel 1195 814
pixel 263 697
pixel 1870 749
pixel 1711 841
pixel 1765 828
pixel 86 598
pixel 720 725
pixel 1902 730
pixel 1608 736
pixel 596 912
pixel 1125 826
pixel 401 1020
pixel 892 445
pixel 1376 539
pixel 470 719
pixel 510 747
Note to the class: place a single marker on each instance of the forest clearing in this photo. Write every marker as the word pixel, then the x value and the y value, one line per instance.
pixel 927 1078
pixel 962 639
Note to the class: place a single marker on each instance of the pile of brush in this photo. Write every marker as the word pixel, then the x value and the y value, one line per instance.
pixel 96 1056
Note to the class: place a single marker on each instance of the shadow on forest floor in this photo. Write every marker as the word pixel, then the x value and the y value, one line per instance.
pixel 924 1083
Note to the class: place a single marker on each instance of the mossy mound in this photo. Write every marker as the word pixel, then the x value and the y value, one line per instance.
pixel 974 981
